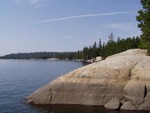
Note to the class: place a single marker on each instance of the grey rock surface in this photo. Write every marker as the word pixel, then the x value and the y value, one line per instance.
pixel 114 103
pixel 128 106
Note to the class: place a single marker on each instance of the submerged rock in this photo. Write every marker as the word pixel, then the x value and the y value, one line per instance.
pixel 125 76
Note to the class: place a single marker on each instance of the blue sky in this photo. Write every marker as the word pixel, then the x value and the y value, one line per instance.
pixel 63 25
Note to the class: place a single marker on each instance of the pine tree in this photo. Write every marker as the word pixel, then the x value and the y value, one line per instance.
pixel 100 48
pixel 110 38
pixel 144 24
pixel 94 50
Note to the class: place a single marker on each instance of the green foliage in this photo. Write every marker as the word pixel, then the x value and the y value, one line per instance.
pixel 144 24
pixel 110 38
pixel 97 49
pixel 110 48
pixel 91 52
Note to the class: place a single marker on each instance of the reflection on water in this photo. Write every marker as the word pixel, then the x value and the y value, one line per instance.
pixel 79 109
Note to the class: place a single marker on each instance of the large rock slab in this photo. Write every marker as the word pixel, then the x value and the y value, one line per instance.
pixel 41 98
pixel 125 76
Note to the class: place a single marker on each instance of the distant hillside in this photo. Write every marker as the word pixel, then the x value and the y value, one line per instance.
pixel 41 55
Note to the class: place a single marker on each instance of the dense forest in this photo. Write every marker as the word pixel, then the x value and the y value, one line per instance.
pixel 110 48
pixel 91 52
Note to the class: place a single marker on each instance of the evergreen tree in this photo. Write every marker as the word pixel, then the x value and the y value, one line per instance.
pixel 94 50
pixel 144 24
pixel 100 48
pixel 110 38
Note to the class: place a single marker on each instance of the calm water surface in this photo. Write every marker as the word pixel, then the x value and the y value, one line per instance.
pixel 19 78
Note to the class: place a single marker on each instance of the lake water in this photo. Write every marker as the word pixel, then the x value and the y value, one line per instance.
pixel 19 78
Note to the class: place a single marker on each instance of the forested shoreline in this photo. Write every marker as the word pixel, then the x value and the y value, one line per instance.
pixel 97 49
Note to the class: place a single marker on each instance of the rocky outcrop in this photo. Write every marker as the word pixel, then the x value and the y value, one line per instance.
pixel 99 58
pixel 125 76
pixel 114 103
pixel 128 106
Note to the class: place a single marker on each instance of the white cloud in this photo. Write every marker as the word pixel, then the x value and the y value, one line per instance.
pixel 34 3
pixel 81 16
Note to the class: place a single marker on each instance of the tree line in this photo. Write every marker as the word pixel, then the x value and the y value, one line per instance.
pixel 40 55
pixel 91 52
pixel 110 48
